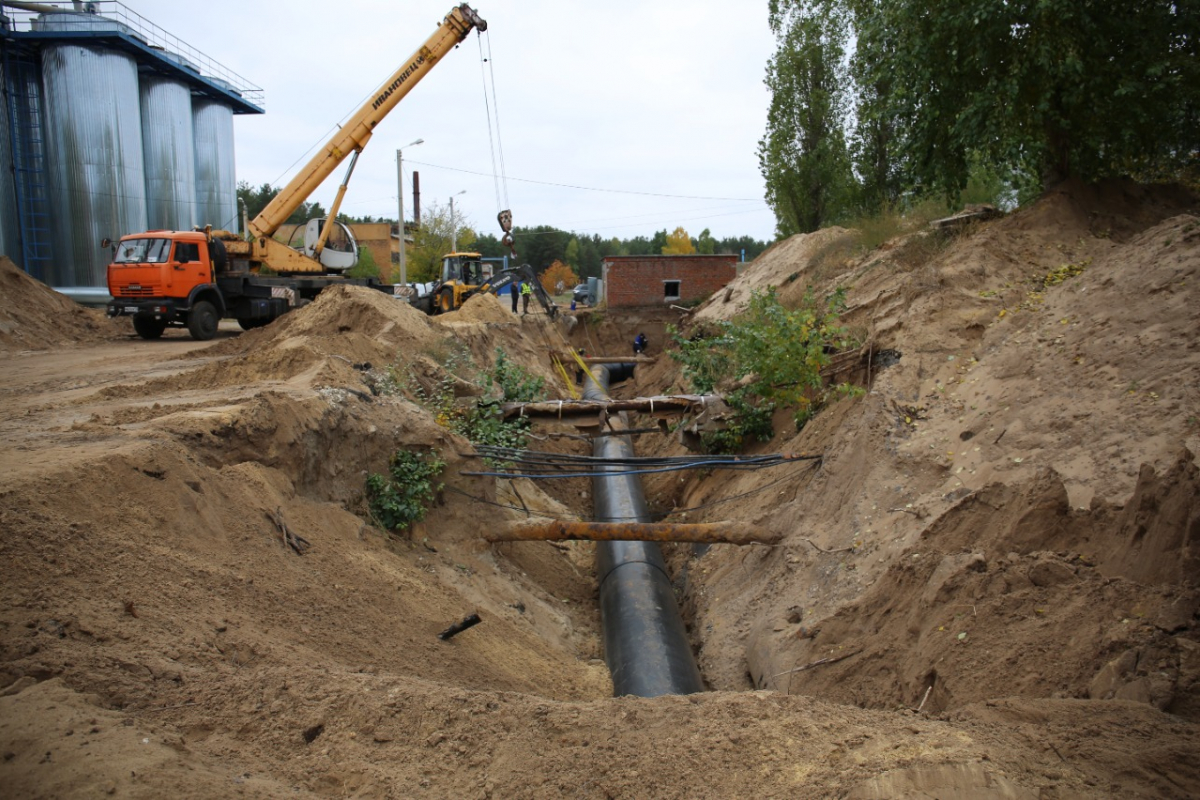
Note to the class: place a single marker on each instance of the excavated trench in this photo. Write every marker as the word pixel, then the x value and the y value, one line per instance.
pixel 982 587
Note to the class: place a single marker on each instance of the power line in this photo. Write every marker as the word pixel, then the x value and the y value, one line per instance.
pixel 593 188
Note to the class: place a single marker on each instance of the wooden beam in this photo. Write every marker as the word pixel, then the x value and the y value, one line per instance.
pixel 662 404
pixel 701 532
pixel 567 358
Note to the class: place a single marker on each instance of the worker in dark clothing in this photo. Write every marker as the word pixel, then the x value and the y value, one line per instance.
pixel 526 291
pixel 640 344
pixel 514 290
pixel 578 368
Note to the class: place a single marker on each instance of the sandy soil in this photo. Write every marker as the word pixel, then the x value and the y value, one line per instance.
pixel 987 589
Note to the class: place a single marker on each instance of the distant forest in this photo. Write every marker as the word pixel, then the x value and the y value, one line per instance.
pixel 541 245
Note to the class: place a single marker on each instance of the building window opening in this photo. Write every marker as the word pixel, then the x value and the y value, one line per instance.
pixel 670 290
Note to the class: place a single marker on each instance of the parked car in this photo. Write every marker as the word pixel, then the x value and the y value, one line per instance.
pixel 581 293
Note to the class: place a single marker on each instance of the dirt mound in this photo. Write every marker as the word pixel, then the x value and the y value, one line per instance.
pixel 480 308
pixel 1011 581
pixel 1016 478
pixel 35 317
pixel 331 341
pixel 783 265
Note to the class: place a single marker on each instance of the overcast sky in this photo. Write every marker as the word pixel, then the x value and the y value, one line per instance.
pixel 636 97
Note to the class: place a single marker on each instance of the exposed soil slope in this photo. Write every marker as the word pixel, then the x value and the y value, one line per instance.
pixel 988 588
pixel 35 317
pixel 1012 507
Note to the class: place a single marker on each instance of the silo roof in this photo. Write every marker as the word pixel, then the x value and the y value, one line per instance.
pixel 154 50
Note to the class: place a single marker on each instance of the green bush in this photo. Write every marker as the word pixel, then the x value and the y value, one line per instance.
pixel 516 383
pixel 403 496
pixel 779 351
pixel 484 422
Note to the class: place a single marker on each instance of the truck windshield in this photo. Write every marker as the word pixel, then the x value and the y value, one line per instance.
pixel 143 251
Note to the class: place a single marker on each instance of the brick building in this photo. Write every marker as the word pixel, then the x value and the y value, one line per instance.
pixel 657 280
pixel 379 239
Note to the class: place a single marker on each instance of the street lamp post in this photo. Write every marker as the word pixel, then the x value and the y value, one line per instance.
pixel 454 223
pixel 400 194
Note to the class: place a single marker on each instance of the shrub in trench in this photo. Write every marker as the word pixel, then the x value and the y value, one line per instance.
pixel 483 422
pixel 780 352
pixel 402 497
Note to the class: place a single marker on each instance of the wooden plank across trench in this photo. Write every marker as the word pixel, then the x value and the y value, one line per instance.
pixel 690 532
pixel 662 404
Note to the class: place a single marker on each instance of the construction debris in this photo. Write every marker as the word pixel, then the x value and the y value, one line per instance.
pixel 469 621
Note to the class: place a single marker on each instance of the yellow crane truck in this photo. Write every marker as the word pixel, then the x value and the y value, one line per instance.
pixel 196 278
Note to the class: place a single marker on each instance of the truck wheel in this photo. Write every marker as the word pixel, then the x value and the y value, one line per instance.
pixel 149 327
pixel 247 323
pixel 446 300
pixel 202 321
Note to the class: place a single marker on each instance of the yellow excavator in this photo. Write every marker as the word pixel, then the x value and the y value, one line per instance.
pixel 465 275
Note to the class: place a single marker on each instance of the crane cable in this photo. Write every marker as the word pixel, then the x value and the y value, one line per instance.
pixel 499 177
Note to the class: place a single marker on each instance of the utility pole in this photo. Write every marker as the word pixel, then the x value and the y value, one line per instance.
pixel 400 193
pixel 454 223
pixel 417 198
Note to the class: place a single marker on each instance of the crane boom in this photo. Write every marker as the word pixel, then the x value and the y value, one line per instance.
pixel 355 134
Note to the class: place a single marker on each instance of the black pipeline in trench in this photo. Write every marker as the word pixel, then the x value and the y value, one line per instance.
pixel 645 644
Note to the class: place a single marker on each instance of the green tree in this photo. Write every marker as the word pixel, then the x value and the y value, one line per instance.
pixel 489 246
pixel 678 243
pixel 1038 89
pixel 657 243
pixel 706 244
pixel 541 246
pixel 803 155
pixel 433 240
pixel 640 246
pixel 571 254
pixel 257 199
pixel 366 266
pixel 779 353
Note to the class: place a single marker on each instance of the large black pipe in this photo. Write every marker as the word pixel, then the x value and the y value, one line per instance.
pixel 645 644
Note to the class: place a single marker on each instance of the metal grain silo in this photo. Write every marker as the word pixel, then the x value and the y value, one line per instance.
pixel 9 239
pixel 169 154
pixel 216 184
pixel 94 157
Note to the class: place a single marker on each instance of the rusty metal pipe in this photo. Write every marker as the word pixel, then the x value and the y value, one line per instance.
pixel 645 643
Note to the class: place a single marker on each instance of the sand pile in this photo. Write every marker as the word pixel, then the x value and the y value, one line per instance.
pixel 35 317
pixel 331 341
pixel 480 308
pixel 1008 510
pixel 782 265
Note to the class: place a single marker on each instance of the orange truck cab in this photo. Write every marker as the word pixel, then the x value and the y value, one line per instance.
pixel 185 279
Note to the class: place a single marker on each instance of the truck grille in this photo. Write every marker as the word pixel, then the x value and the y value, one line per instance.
pixel 139 291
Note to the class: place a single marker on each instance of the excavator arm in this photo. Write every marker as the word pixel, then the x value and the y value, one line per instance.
pixel 354 135
pixel 525 273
